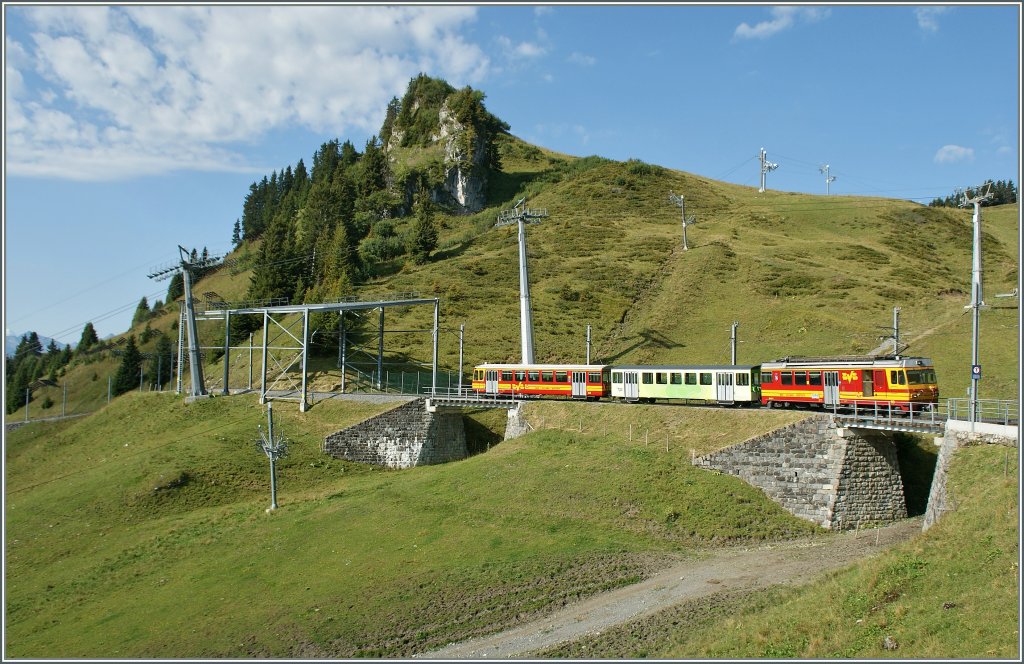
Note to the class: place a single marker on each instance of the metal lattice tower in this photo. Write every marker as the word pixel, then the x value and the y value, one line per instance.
pixel 977 301
pixel 828 178
pixel 681 202
pixel 185 266
pixel 521 215
pixel 766 167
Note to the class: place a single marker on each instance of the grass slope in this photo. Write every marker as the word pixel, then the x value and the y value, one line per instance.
pixel 802 274
pixel 953 592
pixel 140 531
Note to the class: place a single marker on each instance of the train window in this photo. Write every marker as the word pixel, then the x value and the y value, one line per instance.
pixel 547 376
pixel 766 377
pixel 520 376
pixel 534 376
pixel 648 378
pixel 677 378
pixel 594 377
pixel 561 377
pixel 617 377
pixel 814 378
pixel 799 377
pixel 787 377
pixel 506 375
pixel 922 377
pixel 897 378
pixel 705 379
pixel 743 379
pixel 661 378
pixel 691 379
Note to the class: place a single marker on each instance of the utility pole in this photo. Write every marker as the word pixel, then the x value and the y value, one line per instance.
pixel 64 402
pixel 462 335
pixel 681 202
pixel 27 393
pixel 588 344
pixel 274 448
pixel 896 331
pixel 735 324
pixel 521 215
pixel 828 178
pixel 185 266
pixel 108 389
pixel 977 301
pixel 766 167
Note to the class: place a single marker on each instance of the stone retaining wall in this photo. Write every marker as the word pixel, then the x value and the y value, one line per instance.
pixel 957 435
pixel 836 478
pixel 402 437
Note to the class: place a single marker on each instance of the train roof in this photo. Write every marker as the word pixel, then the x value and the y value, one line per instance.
pixel 544 367
pixel 887 361
pixel 683 367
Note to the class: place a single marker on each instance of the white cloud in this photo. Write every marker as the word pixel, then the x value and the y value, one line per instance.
pixel 543 11
pixel 782 18
pixel 521 50
pixel 949 154
pixel 928 17
pixel 110 92
pixel 582 59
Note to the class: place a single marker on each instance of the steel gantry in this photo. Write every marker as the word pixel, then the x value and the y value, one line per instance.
pixel 295 341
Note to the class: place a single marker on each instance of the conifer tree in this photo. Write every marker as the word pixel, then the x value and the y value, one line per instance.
pixel 424 237
pixel 16 387
pixel 88 339
pixel 176 288
pixel 160 363
pixel 127 376
pixel 236 233
pixel 141 311
pixel 274 273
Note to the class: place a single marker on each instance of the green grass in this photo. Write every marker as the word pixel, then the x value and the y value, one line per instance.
pixel 802 274
pixel 141 532
pixel 953 592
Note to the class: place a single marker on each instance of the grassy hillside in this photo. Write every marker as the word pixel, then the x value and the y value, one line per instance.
pixel 140 531
pixel 802 274
pixel 953 592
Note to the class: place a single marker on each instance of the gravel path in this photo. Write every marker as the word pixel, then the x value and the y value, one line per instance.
pixel 793 562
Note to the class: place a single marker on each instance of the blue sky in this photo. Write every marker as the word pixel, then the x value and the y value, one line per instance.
pixel 132 129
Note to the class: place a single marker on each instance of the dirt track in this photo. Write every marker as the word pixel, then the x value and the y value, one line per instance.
pixel 731 570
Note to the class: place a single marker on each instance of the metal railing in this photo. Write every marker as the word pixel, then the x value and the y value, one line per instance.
pixel 992 411
pixel 883 414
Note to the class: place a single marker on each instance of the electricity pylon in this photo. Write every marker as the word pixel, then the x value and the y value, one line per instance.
pixel 522 215
pixel 681 202
pixel 977 301
pixel 185 266
pixel 766 167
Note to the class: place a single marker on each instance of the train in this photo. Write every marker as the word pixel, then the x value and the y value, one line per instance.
pixel 900 384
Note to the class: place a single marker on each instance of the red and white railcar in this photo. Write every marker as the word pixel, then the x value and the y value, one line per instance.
pixel 902 383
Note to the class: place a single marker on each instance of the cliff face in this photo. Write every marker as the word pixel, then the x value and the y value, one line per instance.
pixel 465 161
pixel 450 136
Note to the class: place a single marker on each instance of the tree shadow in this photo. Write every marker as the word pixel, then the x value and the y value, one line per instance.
pixel 648 339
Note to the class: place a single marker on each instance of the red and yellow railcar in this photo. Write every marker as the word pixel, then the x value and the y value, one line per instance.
pixel 579 381
pixel 902 383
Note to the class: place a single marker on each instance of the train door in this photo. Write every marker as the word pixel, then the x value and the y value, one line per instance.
pixel 869 384
pixel 725 388
pixel 491 381
pixel 831 388
pixel 631 387
pixel 579 384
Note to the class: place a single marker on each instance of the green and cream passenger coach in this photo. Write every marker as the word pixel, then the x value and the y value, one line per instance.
pixel 721 384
